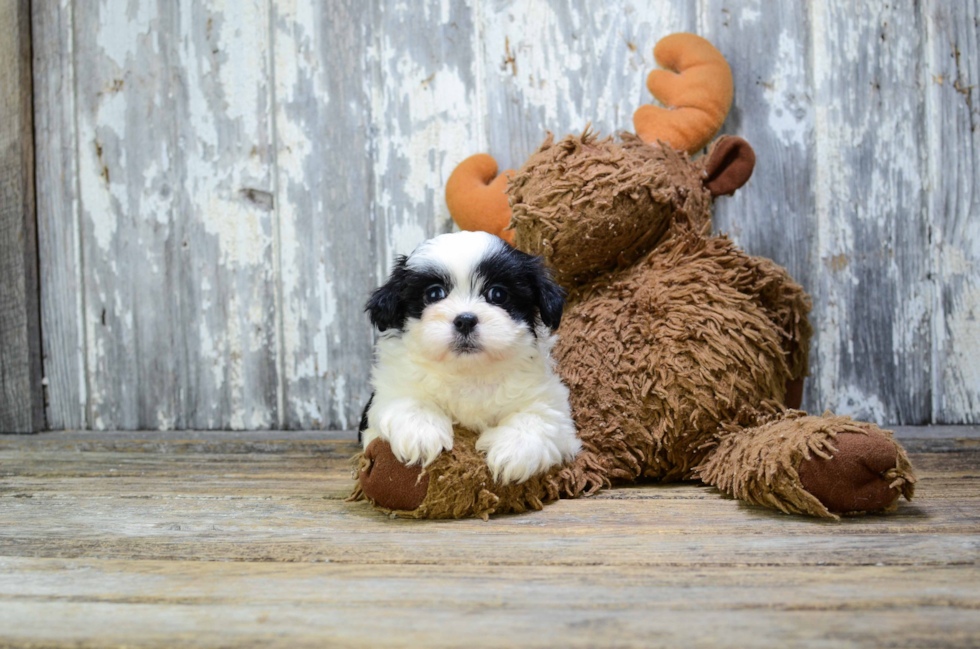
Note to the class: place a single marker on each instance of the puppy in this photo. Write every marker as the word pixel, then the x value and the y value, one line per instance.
pixel 466 328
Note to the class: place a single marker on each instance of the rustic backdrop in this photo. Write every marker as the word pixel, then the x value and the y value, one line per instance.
pixel 220 184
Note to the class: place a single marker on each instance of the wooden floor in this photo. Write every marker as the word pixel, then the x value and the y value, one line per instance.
pixel 227 539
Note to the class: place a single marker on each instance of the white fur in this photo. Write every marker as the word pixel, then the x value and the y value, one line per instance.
pixel 508 391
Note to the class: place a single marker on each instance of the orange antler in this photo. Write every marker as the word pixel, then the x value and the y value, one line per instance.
pixel 697 89
pixel 476 199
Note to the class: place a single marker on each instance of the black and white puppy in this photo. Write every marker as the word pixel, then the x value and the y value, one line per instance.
pixel 467 326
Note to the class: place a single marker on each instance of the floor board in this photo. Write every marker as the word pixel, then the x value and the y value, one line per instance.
pixel 247 540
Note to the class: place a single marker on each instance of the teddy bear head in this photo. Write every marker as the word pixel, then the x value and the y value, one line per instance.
pixel 588 204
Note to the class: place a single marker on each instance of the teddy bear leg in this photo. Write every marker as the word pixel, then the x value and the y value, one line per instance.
pixel 458 484
pixel 822 466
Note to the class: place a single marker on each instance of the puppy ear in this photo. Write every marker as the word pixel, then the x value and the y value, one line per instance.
pixel 550 298
pixel 385 306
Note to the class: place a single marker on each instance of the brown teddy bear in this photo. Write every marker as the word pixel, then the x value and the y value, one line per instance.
pixel 684 356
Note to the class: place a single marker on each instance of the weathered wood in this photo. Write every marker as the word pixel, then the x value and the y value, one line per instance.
pixel 174 105
pixel 767 46
pixel 324 190
pixel 258 171
pixel 558 66
pixel 72 495
pixel 240 539
pixel 426 116
pixel 222 248
pixel 124 114
pixel 57 214
pixel 21 393
pixel 212 603
pixel 872 298
pixel 952 59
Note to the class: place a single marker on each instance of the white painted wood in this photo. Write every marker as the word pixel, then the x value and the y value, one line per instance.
pixel 124 114
pixel 872 294
pixel 953 106
pixel 229 183
pixel 557 66
pixel 174 146
pixel 426 114
pixel 324 185
pixel 224 220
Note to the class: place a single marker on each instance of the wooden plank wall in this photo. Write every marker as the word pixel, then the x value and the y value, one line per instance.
pixel 219 187
pixel 21 390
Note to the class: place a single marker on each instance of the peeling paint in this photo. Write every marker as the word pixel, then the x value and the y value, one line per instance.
pixel 240 195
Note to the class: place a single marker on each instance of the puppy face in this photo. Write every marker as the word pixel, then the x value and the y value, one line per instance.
pixel 467 296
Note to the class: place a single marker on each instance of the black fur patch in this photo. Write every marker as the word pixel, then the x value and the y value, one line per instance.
pixel 531 291
pixel 364 419
pixel 403 295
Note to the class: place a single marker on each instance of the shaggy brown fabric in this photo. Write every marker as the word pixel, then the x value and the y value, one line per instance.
pixel 758 459
pixel 657 356
pixel 460 484
pixel 588 205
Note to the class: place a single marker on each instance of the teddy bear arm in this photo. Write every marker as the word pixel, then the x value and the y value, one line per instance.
pixel 788 306
pixel 821 466
pixel 459 484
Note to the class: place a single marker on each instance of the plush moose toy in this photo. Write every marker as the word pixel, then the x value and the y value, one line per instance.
pixel 684 356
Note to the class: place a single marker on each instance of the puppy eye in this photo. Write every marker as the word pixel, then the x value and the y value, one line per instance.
pixel 434 293
pixel 496 295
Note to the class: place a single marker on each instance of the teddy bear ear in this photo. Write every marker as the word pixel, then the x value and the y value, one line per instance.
pixel 730 164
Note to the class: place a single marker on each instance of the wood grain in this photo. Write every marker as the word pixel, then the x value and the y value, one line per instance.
pixel 244 539
pixel 871 303
pixel 21 393
pixel 174 176
pixel 58 226
pixel 953 104
pixel 558 66
pixel 125 113
pixel 324 184
pixel 206 264
pixel 221 252
pixel 302 605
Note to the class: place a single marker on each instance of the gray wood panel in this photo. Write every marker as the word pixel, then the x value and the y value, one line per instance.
pixel 953 126
pixel 175 185
pixel 557 66
pixel 221 190
pixel 872 296
pixel 124 108
pixel 324 185
pixel 222 248
pixel 21 393
pixel 59 243
pixel 426 116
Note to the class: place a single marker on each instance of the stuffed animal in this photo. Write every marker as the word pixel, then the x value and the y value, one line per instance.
pixel 684 356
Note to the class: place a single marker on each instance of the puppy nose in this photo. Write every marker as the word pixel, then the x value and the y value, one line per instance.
pixel 465 323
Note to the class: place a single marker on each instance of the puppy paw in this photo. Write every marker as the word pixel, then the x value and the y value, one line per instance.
pixel 416 434
pixel 514 453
